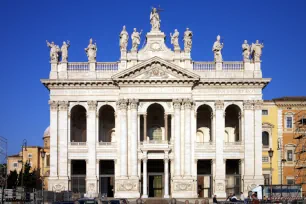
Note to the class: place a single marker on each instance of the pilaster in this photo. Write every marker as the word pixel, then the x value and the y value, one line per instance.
pixel 258 140
pixel 54 70
pixel 63 142
pixel 91 177
pixel 134 137
pixel 220 164
pixel 187 138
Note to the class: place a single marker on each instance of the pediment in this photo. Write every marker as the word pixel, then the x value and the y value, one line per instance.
pixel 155 69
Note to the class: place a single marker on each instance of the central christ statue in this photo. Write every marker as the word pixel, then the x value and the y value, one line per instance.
pixel 155 20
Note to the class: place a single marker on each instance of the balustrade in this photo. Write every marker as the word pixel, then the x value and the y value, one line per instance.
pixel 107 66
pixel 204 66
pixel 78 66
pixel 78 143
pixel 232 66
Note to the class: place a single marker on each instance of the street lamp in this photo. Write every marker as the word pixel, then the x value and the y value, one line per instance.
pixel 283 161
pixel 23 146
pixel 42 154
pixel 270 155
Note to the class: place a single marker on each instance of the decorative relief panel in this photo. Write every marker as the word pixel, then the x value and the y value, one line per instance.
pixel 183 186
pixel 127 185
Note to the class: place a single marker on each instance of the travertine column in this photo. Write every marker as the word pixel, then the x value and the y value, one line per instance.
pixel 249 140
pixel 144 127
pixel 134 136
pixel 166 171
pixel 213 122
pixel 258 140
pixel 166 126
pixel 63 140
pixel 91 177
pixel 177 135
pixel 123 137
pixel 145 177
pixel 220 164
pixel 53 138
pixel 187 138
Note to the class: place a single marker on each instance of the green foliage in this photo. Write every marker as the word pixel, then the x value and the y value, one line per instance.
pixel 30 178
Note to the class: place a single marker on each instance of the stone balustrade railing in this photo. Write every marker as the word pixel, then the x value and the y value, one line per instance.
pixel 232 66
pixel 204 66
pixel 107 143
pixel 232 143
pixel 78 66
pixel 107 66
pixel 78 143
pixel 155 142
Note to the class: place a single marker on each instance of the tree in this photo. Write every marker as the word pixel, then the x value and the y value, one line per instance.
pixel 12 179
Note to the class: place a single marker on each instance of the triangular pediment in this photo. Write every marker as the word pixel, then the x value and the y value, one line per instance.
pixel 155 69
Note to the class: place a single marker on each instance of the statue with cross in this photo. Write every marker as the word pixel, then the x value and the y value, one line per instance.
pixel 155 19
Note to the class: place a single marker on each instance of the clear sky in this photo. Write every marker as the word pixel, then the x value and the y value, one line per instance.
pixel 26 25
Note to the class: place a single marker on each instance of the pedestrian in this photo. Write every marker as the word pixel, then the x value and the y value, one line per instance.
pixel 233 198
pixel 255 199
pixel 229 197
pixel 215 199
pixel 241 196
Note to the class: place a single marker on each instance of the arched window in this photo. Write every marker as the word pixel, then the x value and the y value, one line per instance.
pixel 232 123
pixel 204 131
pixel 155 122
pixel 265 139
pixel 107 124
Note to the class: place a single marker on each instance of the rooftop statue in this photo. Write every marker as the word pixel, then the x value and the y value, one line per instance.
pixel 155 20
pixel 91 51
pixel 217 48
pixel 246 51
pixel 124 37
pixel 175 40
pixel 64 50
pixel 256 50
pixel 135 39
pixel 54 52
pixel 187 40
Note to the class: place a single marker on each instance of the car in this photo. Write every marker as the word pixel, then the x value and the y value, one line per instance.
pixel 87 201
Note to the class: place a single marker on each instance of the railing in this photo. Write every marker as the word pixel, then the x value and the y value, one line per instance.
pixel 156 142
pixel 78 143
pixel 107 66
pixel 78 66
pixel 204 66
pixel 233 143
pixel 107 143
pixel 232 66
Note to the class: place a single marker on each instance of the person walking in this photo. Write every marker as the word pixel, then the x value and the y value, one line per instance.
pixel 215 201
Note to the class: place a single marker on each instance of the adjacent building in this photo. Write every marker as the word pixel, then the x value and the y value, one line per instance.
pixel 155 123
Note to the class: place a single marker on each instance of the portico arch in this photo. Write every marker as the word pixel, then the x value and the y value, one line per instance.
pixel 78 124
pixel 107 124
pixel 232 123
pixel 204 123
pixel 155 118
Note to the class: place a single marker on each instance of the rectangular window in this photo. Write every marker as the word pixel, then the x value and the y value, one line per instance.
pixel 265 112
pixel 290 181
pixel 30 155
pixel 289 122
pixel 289 155
pixel 15 164
pixel 265 159
pixel 48 160
pixel 267 179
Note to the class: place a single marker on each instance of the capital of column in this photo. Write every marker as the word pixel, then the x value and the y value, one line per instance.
pixel 133 103
pixel 145 160
pixel 92 105
pixel 219 105
pixel 248 105
pixel 258 104
pixel 63 105
pixel 177 103
pixel 53 105
pixel 122 104
pixel 187 103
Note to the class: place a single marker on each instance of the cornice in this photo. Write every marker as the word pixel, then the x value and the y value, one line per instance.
pixel 66 84
pixel 222 82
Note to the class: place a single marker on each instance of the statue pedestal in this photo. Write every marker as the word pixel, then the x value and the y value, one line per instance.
pixel 127 187
pixel 184 187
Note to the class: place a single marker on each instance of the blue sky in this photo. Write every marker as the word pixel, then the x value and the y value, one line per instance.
pixel 26 25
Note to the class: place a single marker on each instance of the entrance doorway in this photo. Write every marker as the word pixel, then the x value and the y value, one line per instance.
pixel 155 185
pixel 106 178
pixel 204 179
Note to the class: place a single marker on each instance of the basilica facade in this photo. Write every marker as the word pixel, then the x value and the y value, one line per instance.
pixel 155 123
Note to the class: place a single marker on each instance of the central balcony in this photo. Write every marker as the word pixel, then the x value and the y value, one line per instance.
pixel 155 145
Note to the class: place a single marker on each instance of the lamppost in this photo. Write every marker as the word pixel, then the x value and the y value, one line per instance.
pixel 283 161
pixel 23 146
pixel 270 155
pixel 42 154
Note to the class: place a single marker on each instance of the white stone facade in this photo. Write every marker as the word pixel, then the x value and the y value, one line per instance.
pixel 180 86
